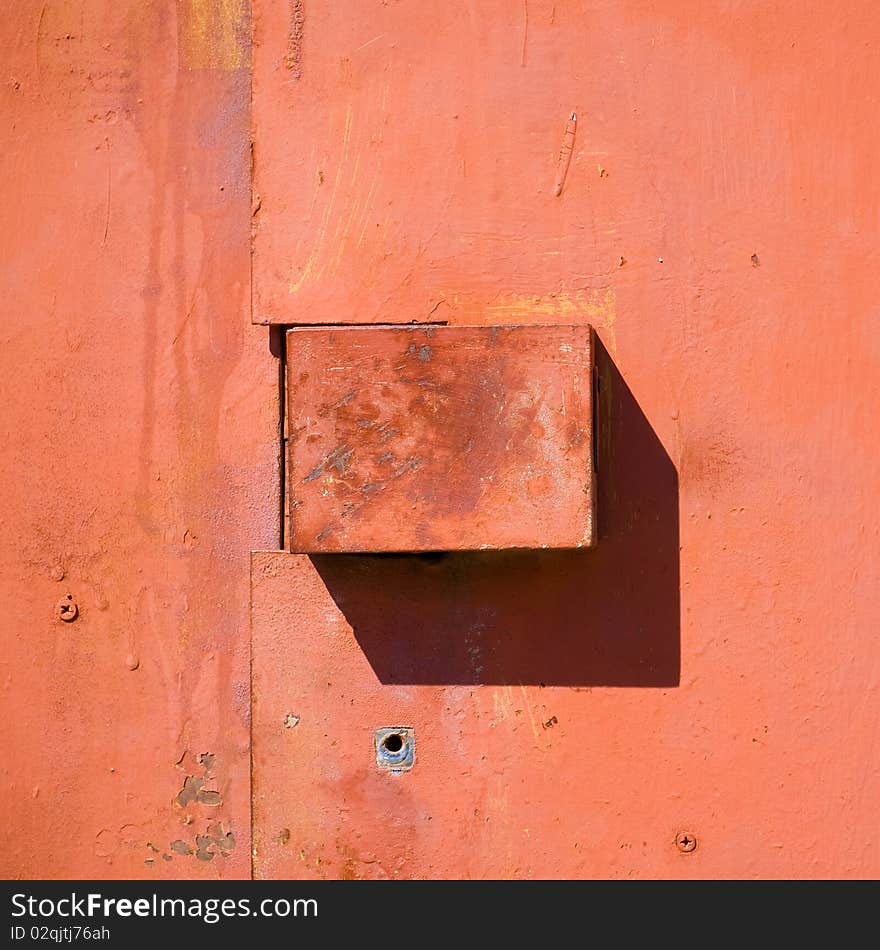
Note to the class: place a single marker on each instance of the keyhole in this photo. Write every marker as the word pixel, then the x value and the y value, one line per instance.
pixel 393 743
pixel 395 748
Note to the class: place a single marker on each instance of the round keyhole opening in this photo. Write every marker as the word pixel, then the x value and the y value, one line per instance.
pixel 393 743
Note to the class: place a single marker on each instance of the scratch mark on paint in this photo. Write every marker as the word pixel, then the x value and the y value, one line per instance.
pixel 37 66
pixel 502 700
pixel 529 710
pixel 318 243
pixel 525 39
pixel 107 215
pixel 564 159
pixel 433 309
pixel 366 209
pixel 344 223
pixel 369 42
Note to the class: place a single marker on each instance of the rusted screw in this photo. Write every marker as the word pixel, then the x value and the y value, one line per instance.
pixel 67 609
pixel 685 842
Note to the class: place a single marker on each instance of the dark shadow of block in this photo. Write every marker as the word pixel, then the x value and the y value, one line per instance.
pixel 609 616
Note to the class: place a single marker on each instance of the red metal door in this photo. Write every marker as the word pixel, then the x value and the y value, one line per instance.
pixel 693 696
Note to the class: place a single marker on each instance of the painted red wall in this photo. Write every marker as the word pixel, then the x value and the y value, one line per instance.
pixel 139 451
pixel 711 667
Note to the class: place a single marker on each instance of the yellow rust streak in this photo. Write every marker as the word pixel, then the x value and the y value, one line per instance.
pixel 212 34
pixel 597 307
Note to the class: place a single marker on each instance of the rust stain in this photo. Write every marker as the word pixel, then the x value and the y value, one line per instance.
pixel 596 307
pixel 212 34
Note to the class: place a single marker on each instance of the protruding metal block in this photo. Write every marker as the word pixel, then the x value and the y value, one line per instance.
pixel 440 438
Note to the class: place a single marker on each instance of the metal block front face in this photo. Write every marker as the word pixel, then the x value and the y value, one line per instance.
pixel 438 438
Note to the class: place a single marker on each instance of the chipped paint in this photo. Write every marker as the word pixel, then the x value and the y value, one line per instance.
pixel 194 789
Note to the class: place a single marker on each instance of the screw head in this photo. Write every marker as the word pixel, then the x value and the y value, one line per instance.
pixel 67 609
pixel 686 842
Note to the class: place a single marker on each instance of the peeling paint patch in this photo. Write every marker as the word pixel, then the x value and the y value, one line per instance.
pixel 190 791
pixel 203 843
pixel 194 785
pixel 216 841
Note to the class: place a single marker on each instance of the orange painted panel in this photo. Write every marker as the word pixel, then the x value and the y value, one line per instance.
pixel 435 172
pixel 139 457
pixel 511 777
pixel 440 438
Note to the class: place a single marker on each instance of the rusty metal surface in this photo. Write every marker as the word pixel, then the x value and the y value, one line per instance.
pixel 440 438
pixel 138 463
